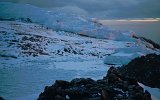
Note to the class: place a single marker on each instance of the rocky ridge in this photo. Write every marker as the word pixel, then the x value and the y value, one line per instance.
pixel 112 87
pixel 145 69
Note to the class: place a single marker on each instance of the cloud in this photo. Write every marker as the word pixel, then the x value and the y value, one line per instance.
pixel 102 8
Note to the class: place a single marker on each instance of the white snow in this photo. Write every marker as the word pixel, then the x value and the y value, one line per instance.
pixel 60 21
pixel 154 91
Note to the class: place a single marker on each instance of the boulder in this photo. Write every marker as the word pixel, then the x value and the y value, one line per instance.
pixel 145 69
pixel 1 98
pixel 113 86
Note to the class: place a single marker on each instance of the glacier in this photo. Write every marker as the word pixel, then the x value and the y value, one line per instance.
pixel 38 46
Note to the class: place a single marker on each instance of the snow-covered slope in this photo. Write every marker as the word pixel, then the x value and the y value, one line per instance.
pixel 20 39
pixel 60 21
pixel 37 45
pixel 32 50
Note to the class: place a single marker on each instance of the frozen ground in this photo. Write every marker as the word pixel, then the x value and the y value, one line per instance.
pixel 33 55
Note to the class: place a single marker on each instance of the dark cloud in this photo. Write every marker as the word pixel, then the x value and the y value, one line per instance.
pixel 101 8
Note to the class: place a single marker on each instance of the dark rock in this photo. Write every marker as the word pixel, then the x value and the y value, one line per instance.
pixel 147 95
pixel 155 45
pixel 138 96
pixel 106 95
pixel 120 85
pixel 1 98
pixel 132 81
pixel 61 83
pixel 82 81
pixel 96 98
pixel 77 94
pixel 26 20
pixel 145 69
pixel 112 87
pixel 58 97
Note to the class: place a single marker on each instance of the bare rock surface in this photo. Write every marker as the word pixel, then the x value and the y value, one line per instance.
pixel 145 69
pixel 112 87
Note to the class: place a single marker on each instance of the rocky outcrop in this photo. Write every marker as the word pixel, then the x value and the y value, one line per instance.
pixel 26 20
pixel 1 98
pixel 145 69
pixel 151 44
pixel 112 87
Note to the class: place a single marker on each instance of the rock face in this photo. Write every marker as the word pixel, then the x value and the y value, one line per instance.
pixel 145 69
pixel 1 98
pixel 145 40
pixel 111 87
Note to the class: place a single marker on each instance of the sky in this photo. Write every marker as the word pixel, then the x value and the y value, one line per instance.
pixel 104 9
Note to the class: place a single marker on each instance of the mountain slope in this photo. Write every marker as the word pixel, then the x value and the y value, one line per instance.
pixel 40 46
pixel 60 21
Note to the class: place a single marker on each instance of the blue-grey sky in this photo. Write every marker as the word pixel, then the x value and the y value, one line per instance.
pixel 102 8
